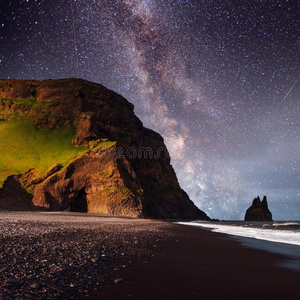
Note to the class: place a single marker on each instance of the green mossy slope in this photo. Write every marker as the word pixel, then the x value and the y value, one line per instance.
pixel 23 146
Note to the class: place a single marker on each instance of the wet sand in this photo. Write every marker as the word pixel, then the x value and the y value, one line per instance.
pixel 198 264
pixel 75 256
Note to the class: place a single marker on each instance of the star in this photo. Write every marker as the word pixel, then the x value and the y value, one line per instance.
pixel 219 80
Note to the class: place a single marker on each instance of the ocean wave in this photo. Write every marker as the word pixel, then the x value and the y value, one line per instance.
pixel 287 226
pixel 279 236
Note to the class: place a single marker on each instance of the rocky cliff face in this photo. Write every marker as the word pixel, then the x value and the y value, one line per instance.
pixel 109 163
pixel 258 211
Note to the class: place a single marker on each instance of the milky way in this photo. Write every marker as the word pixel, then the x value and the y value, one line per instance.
pixel 219 80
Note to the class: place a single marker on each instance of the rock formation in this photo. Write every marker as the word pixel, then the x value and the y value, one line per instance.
pixel 258 211
pixel 75 145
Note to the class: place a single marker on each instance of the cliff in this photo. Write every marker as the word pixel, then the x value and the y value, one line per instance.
pixel 258 211
pixel 75 145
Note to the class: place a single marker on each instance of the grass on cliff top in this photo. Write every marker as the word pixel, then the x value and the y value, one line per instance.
pixel 23 146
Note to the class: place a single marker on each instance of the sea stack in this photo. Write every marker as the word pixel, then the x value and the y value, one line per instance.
pixel 258 211
pixel 75 145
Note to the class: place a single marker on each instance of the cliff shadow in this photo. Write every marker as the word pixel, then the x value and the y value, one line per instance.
pixel 13 196
pixel 79 203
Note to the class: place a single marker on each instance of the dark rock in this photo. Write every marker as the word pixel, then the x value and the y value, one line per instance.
pixel 258 211
pixel 12 280
pixel 54 169
pixel 13 196
pixel 131 177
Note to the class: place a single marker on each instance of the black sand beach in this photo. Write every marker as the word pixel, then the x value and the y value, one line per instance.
pixel 79 256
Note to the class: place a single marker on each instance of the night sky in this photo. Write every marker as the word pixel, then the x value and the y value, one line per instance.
pixel 219 80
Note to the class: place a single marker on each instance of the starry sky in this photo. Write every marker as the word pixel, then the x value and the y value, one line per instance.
pixel 219 80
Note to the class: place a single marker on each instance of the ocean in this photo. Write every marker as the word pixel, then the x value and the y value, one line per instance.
pixel 282 237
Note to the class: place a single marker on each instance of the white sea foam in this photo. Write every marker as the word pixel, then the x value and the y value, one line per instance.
pixel 286 224
pixel 277 236
pixel 285 242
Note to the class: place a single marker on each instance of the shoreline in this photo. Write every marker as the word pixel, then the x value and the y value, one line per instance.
pixel 153 260
pixel 257 241
pixel 208 265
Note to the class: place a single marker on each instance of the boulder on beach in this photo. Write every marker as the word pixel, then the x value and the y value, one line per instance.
pixel 258 211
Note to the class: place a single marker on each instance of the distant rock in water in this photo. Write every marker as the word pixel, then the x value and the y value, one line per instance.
pixel 258 211
pixel 75 145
